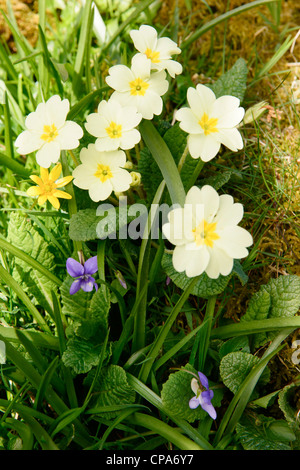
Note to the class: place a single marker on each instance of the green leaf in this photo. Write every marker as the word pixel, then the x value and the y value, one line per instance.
pixel 14 165
pixel 23 430
pixel 233 82
pixel 24 236
pixel 81 355
pixel 287 401
pixel 279 298
pixel 235 367
pixel 149 170
pixel 91 224
pixel 164 159
pixel 265 401
pixel 176 394
pixel 258 435
pixel 205 287
pixel 239 343
pixel 111 388
pixel 217 181
pixel 83 225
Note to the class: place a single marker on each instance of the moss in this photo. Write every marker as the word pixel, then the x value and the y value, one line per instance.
pixel 27 19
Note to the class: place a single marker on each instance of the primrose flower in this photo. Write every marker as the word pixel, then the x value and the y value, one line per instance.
pixel 205 233
pixel 137 86
pixel 82 274
pixel 202 397
pixel 210 122
pixel 48 132
pixel 159 51
pixel 114 125
pixel 47 186
pixel 101 173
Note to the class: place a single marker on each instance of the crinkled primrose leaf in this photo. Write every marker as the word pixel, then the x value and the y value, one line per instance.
pixel 111 388
pixel 233 82
pixel 279 298
pixel 205 287
pixel 235 367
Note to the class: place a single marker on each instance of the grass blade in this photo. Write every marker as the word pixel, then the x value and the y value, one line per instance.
pixel 24 431
pixel 45 382
pixel 82 45
pixel 14 166
pixel 40 433
pixel 9 280
pixel 29 260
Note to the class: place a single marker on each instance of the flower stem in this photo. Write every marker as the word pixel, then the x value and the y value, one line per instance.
pixel 139 332
pixel 101 264
pixel 183 158
pixel 76 162
pixel 205 333
pixel 195 174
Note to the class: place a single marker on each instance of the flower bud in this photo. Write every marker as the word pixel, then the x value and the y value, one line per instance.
pixel 136 178
pixel 253 113
pixel 128 165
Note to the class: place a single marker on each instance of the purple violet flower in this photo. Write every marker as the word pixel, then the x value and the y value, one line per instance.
pixel 82 274
pixel 202 397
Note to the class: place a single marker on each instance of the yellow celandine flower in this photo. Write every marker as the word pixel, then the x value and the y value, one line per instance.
pixel 47 186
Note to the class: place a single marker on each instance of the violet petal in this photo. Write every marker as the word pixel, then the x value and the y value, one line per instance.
pixel 74 268
pixel 75 286
pixel 194 403
pixel 91 265
pixel 203 380
pixel 208 407
pixel 206 396
pixel 87 284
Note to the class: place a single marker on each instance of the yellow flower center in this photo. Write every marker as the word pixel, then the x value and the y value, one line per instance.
pixel 114 130
pixel 48 188
pixel 103 172
pixel 50 133
pixel 138 87
pixel 208 125
pixel 205 234
pixel 153 55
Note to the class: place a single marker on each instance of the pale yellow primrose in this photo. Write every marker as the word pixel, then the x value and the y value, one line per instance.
pixel 114 126
pixel 101 173
pixel 48 132
pixel 158 50
pixel 206 234
pixel 210 122
pixel 138 87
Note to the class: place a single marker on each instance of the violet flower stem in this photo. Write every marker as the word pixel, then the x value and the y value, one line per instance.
pixel 204 342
